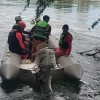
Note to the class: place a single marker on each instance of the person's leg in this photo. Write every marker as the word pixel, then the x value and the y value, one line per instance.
pixel 55 49
pixel 33 57
pixel 34 47
pixel 25 56
pixel 30 46
pixel 59 52
pixel 26 44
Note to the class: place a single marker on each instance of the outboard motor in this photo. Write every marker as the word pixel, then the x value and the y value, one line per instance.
pixel 46 61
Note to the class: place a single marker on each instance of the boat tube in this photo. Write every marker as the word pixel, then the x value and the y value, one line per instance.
pixel 72 68
pixel 10 64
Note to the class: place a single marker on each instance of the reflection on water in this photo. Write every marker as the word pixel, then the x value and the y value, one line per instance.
pixel 71 6
pixel 41 6
pixel 64 3
pixel 83 6
pixel 27 5
pixel 79 15
pixel 10 86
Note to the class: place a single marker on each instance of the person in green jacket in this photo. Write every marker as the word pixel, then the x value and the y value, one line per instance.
pixel 41 33
pixel 43 29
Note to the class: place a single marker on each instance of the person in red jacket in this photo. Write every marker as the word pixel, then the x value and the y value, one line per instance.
pixel 17 42
pixel 65 43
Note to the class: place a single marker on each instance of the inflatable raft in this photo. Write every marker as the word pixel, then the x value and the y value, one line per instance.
pixel 10 65
pixel 45 67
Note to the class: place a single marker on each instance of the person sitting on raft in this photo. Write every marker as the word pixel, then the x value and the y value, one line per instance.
pixel 65 43
pixel 34 27
pixel 15 26
pixel 41 34
pixel 16 43
pixel 17 19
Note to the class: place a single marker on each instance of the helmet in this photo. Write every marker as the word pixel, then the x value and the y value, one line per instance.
pixel 18 18
pixel 21 24
pixel 65 27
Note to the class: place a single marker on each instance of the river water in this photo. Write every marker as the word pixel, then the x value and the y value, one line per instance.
pixel 79 15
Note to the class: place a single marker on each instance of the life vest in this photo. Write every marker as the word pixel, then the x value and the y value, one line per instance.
pixel 63 44
pixel 15 26
pixel 40 30
pixel 14 45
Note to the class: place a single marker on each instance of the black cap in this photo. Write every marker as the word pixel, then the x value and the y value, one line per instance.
pixel 65 27
pixel 46 17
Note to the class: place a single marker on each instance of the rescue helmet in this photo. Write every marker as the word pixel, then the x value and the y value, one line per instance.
pixel 18 18
pixel 21 24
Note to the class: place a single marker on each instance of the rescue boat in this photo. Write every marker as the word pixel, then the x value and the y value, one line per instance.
pixel 44 69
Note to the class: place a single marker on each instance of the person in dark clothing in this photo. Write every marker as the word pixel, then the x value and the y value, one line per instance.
pixel 17 19
pixel 15 26
pixel 65 43
pixel 15 41
pixel 34 27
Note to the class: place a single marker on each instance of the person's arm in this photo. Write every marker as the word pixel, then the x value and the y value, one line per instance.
pixel 69 40
pixel 19 38
pixel 48 31
pixel 33 29
pixel 26 32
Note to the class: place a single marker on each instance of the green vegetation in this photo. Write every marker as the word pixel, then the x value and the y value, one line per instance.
pixel 41 6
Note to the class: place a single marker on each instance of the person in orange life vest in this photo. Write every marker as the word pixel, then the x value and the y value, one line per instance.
pixel 65 43
pixel 15 41
pixel 26 41
pixel 41 34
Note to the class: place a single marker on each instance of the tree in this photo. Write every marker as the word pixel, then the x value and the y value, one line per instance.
pixel 41 6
